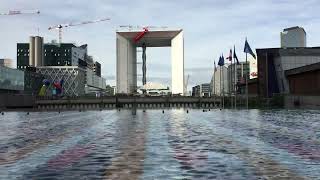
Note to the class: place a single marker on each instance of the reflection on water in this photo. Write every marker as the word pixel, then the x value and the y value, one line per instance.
pixel 226 144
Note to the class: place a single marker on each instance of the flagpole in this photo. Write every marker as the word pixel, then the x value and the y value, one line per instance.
pixel 247 98
pixel 231 87
pixel 235 84
pixel 235 62
pixel 214 84
pixel 220 90
pixel 223 87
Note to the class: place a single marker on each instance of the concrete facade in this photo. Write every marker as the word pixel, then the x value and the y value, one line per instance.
pixel 293 37
pixel 217 87
pixel 127 58
pixel 304 80
pixel 36 51
pixel 274 62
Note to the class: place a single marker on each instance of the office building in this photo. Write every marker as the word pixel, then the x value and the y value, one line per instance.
pixel 65 54
pixel 97 68
pixel 219 84
pixel 293 37
pixel 274 65
pixel 6 63
pixel 11 80
pixel 36 51
pixel 202 90
pixel 237 74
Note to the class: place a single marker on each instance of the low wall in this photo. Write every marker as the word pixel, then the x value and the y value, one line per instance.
pixel 306 102
pixel 12 101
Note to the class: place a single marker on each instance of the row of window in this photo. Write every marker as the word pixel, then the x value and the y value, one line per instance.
pixel 22 50
pixel 55 54
pixel 22 67
pixel 27 50
pixel 66 50
pixel 25 54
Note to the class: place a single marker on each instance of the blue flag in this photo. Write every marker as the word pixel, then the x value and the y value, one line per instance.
pixel 247 49
pixel 221 61
pixel 235 55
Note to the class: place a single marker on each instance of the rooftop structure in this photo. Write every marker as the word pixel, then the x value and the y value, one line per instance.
pixel 293 37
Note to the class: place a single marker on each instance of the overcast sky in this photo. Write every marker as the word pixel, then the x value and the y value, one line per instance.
pixel 211 27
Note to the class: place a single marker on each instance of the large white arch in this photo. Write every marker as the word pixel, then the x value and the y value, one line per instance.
pixel 127 57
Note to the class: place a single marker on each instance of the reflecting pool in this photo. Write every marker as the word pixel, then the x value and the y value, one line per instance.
pixel 227 144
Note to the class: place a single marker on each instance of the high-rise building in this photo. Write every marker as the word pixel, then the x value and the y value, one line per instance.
pixel 219 81
pixel 293 37
pixel 6 63
pixel 36 51
pixel 202 90
pixel 65 54
pixel 97 68
pixel 237 74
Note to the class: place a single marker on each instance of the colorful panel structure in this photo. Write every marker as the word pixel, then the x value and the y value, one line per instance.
pixel 69 80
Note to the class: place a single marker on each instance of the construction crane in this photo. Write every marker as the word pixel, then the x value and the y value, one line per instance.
pixel 186 82
pixel 136 39
pixel 61 26
pixel 17 12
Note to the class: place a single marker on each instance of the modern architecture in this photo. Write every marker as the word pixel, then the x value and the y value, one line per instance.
pixel 127 57
pixel 202 90
pixel 293 37
pixel 274 65
pixel 219 82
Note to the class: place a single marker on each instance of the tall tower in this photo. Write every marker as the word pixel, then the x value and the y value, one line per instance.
pixel 293 37
pixel 36 57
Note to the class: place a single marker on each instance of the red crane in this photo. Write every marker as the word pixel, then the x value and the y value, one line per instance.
pixel 145 30
pixel 60 26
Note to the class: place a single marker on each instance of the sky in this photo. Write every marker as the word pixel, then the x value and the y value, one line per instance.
pixel 211 27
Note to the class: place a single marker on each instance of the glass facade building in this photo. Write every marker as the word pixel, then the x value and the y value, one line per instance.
pixel 11 79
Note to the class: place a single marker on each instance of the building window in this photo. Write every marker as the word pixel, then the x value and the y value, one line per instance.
pixel 45 50
pixel 65 54
pixel 58 54
pixel 18 54
pixel 28 50
pixel 25 54
pixel 45 54
pixel 58 62
pixel 51 50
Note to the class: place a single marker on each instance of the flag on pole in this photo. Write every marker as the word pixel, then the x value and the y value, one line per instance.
pixel 247 49
pixel 221 61
pixel 235 55
pixel 230 55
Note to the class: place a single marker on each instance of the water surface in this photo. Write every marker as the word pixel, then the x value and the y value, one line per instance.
pixel 228 144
